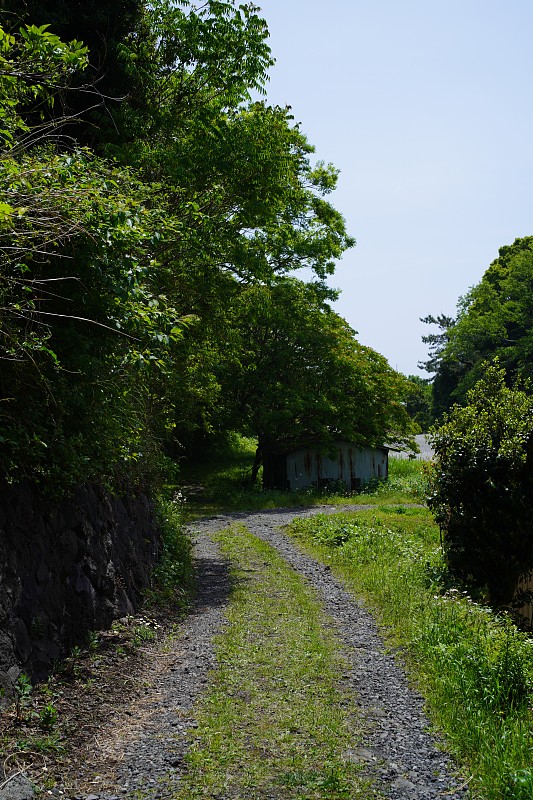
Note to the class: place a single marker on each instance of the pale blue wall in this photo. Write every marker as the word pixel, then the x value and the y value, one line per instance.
pixel 307 467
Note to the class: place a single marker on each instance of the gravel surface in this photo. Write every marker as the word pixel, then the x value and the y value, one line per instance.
pixel 399 752
pixel 426 452
pixel 153 755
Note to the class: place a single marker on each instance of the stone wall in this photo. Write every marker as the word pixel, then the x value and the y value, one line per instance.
pixel 66 569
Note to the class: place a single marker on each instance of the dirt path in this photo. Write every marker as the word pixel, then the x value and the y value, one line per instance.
pixel 144 749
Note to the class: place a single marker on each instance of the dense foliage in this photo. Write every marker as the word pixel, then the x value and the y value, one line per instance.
pixel 295 373
pixel 473 666
pixel 418 401
pixel 152 216
pixel 495 319
pixel 482 486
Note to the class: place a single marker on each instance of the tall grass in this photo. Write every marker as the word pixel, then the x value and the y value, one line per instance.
pixel 406 483
pixel 475 668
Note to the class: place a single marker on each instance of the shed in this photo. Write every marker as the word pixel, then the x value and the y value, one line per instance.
pixel 309 466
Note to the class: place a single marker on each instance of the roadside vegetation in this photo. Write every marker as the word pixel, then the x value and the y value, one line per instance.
pixel 275 720
pixel 481 486
pixel 48 731
pixel 493 321
pixel 474 667
pixel 155 217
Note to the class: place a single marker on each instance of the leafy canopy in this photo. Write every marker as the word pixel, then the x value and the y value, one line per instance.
pixel 293 372
pixel 494 320
pixel 153 218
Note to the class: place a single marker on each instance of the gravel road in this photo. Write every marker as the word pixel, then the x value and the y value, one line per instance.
pixel 399 752
pixel 425 453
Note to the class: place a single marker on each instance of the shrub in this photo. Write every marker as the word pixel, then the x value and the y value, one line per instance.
pixel 174 573
pixel 481 486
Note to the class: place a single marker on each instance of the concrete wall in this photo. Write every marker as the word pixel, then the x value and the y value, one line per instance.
pixel 67 569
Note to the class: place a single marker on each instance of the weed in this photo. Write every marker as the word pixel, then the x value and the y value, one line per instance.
pixel 475 668
pixel 46 745
pixel 172 578
pixel 145 630
pixel 520 785
pixel 48 717
pixel 93 640
pixel 407 483
pixel 23 690
pixel 76 652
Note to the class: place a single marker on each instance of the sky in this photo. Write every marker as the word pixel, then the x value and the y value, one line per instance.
pixel 426 108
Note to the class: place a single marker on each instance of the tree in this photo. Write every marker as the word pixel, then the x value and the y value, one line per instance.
pixel 292 373
pixel 418 401
pixel 494 319
pixel 242 201
pixel 437 341
pixel 81 324
pixel 444 375
pixel 82 321
pixel 118 273
pixel 187 62
pixel 147 281
pixel 482 485
pixel 98 90
pixel 36 67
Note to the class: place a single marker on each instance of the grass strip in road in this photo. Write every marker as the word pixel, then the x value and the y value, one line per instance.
pixel 474 667
pixel 275 721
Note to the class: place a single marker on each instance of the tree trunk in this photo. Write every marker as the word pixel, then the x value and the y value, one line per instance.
pixel 258 460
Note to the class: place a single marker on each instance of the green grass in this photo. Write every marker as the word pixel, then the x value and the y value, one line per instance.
pixel 221 485
pixel 275 721
pixel 475 668
pixel 406 484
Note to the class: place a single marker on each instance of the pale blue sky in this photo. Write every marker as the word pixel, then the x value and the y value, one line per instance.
pixel 427 110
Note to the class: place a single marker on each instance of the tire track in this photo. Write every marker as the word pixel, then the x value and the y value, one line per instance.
pixel 404 759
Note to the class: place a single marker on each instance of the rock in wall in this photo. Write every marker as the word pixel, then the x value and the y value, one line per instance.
pixel 66 569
